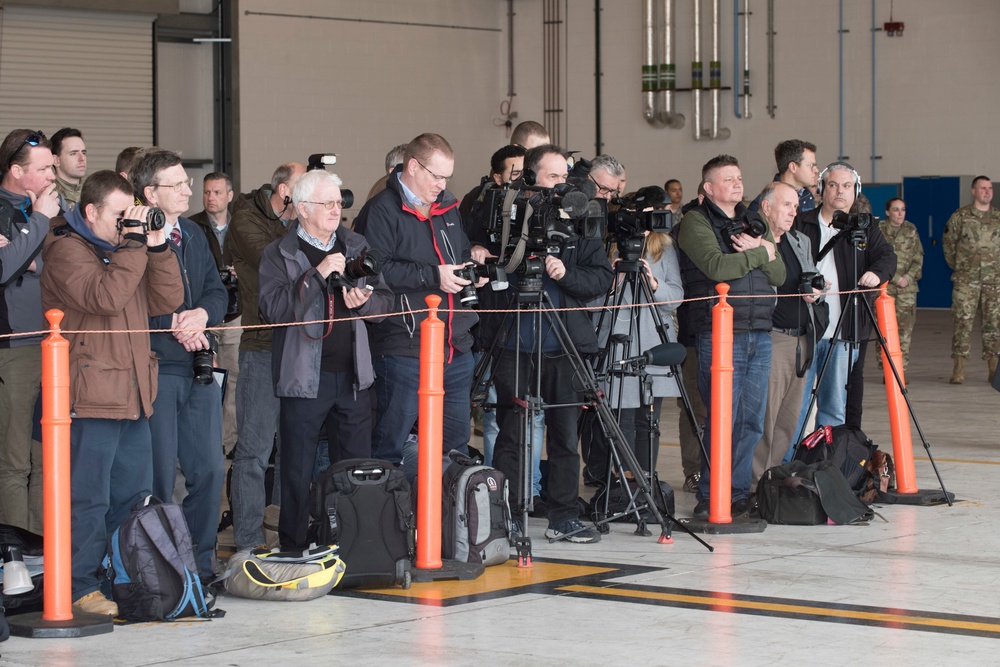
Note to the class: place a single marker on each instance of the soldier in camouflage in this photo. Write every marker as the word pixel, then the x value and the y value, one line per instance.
pixel 905 241
pixel 972 249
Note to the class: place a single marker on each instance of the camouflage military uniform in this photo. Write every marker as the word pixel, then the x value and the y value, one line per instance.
pixel 905 242
pixel 972 249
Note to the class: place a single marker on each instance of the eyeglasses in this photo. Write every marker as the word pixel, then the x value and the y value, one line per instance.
pixel 32 140
pixel 614 192
pixel 436 177
pixel 812 166
pixel 328 205
pixel 176 186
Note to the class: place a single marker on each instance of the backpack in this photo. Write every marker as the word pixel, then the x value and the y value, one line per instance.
pixel 475 512
pixel 259 574
pixel 151 565
pixel 850 450
pixel 799 494
pixel 618 501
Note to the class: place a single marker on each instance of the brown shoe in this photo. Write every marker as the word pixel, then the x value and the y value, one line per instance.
pixel 96 603
pixel 958 375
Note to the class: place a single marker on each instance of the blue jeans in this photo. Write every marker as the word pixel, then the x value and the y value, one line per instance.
pixel 186 426
pixel 831 399
pixel 751 367
pixel 111 469
pixel 491 429
pixel 257 411
pixel 397 380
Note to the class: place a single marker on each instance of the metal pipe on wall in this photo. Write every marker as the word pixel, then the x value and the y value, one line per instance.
pixel 696 71
pixel 875 156
pixel 715 77
pixel 746 59
pixel 650 108
pixel 736 57
pixel 770 59
pixel 840 41
pixel 668 71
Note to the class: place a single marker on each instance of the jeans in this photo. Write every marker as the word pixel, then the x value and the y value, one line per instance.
pixel 186 426
pixel 831 399
pixel 397 380
pixel 111 469
pixel 751 367
pixel 348 418
pixel 257 418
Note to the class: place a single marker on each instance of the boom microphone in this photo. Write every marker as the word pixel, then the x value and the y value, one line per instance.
pixel 664 354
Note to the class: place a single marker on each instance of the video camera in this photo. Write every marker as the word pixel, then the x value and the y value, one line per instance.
pixel 155 218
pixel 751 225
pixel 846 222
pixel 629 221
pixel 365 265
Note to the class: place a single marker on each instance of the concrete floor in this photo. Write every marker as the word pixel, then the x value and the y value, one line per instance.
pixel 922 588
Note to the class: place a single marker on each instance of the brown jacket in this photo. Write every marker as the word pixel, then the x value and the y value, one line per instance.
pixel 112 375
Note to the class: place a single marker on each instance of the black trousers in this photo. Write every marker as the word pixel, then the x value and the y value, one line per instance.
pixel 558 386
pixel 348 420
pixel 856 388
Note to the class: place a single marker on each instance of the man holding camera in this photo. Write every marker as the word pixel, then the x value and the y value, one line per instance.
pixel 575 274
pixel 416 227
pixel 719 243
pixel 841 244
pixel 107 273
pixel 793 329
pixel 214 221
pixel 322 371
pixel 187 423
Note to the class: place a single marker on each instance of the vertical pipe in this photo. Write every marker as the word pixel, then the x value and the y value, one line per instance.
pixel 715 70
pixel 873 93
pixel 840 60
pixel 736 57
pixel 597 78
pixel 746 59
pixel 770 59
pixel 696 71
pixel 668 70
pixel 649 70
pixel 510 49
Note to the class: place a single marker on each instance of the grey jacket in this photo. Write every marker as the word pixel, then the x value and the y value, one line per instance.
pixel 668 274
pixel 291 290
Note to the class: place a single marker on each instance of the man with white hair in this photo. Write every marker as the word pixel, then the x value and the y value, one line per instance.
pixel 322 372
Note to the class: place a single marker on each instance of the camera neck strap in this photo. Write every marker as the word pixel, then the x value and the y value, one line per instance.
pixel 300 308
pixel 517 254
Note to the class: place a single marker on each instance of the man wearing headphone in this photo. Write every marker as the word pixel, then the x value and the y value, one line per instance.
pixel 835 255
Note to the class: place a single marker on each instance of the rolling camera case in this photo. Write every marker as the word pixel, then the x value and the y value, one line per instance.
pixel 364 507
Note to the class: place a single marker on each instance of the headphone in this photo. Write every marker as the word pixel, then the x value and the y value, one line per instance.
pixel 839 165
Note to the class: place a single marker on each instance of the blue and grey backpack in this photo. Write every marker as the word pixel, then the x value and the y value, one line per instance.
pixel 152 567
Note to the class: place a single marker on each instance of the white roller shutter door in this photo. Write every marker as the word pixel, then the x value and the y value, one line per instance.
pixel 88 70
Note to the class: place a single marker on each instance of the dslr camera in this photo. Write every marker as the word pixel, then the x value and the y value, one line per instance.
pixel 204 360
pixel 473 272
pixel 365 265
pixel 846 222
pixel 810 280
pixel 752 225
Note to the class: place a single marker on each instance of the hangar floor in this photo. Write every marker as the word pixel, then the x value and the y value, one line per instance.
pixel 920 588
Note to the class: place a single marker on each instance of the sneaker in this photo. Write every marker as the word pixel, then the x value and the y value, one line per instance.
pixel 691 483
pixel 701 510
pixel 580 534
pixel 541 508
pixel 96 603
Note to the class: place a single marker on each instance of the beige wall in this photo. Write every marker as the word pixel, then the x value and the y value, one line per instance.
pixel 358 88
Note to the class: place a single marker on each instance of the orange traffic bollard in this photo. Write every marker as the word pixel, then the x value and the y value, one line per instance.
pixel 719 508
pixel 58 597
pixel 431 435
pixel 899 416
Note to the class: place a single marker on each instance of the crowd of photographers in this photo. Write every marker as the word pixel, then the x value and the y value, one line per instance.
pixel 588 276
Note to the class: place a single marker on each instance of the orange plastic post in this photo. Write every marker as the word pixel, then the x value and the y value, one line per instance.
pixel 899 416
pixel 431 411
pixel 58 596
pixel 721 493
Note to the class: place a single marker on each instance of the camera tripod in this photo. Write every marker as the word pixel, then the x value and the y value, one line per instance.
pixel 532 299
pixel 616 363
pixel 858 238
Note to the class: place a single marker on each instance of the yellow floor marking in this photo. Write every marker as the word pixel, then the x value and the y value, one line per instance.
pixel 497 578
pixel 721 602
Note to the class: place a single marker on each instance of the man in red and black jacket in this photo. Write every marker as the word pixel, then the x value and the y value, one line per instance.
pixel 416 226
